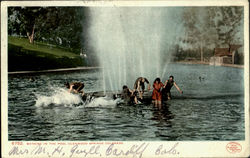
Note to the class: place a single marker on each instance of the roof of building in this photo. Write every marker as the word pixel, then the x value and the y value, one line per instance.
pixel 222 52
pixel 226 51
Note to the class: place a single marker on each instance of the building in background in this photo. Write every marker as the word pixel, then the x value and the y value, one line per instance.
pixel 225 55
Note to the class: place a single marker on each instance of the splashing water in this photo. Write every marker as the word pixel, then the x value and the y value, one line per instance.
pixel 102 102
pixel 132 42
pixel 59 96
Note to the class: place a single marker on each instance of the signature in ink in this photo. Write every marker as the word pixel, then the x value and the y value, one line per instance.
pixel 162 151
pixel 135 150
pixel 38 150
pixel 16 151
pixel 93 150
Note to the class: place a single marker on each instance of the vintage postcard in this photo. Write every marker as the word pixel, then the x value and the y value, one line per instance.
pixel 134 79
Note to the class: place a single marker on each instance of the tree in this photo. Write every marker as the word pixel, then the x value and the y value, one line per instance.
pixel 210 27
pixel 54 25
pixel 198 29
pixel 228 22
pixel 27 19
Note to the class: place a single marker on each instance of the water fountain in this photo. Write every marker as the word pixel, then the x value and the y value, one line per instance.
pixel 132 42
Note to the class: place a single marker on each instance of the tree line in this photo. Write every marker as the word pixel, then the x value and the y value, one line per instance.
pixel 204 28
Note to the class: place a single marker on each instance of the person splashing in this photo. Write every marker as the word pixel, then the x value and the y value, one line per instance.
pixel 168 85
pixel 128 95
pixel 139 86
pixel 157 95
pixel 75 87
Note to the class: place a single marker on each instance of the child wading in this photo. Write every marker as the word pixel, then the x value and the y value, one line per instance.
pixel 156 96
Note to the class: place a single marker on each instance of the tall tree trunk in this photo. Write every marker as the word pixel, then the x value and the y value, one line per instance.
pixel 201 50
pixel 31 37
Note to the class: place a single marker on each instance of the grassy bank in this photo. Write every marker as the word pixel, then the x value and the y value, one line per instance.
pixel 23 56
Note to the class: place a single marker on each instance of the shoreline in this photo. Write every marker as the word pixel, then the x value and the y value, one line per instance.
pixel 207 63
pixel 92 68
pixel 53 70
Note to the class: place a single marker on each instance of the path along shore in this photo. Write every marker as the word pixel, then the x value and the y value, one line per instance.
pixel 207 63
pixel 94 68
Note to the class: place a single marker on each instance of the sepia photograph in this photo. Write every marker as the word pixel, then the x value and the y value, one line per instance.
pixel 126 73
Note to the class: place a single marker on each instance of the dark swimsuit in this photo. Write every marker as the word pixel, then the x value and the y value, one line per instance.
pixel 166 91
pixel 141 83
pixel 78 86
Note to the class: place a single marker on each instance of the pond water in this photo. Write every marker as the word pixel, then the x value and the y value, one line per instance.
pixel 209 109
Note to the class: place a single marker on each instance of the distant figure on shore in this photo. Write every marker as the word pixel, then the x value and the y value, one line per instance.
pixel 75 87
pixel 128 95
pixel 168 85
pixel 157 94
pixel 139 86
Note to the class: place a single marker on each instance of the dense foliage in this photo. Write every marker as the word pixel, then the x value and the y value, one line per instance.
pixel 62 26
pixel 214 26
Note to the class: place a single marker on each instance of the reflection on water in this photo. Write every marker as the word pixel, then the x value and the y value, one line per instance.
pixel 209 109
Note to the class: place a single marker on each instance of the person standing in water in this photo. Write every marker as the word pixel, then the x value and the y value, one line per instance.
pixel 128 95
pixel 75 87
pixel 168 85
pixel 157 95
pixel 139 86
